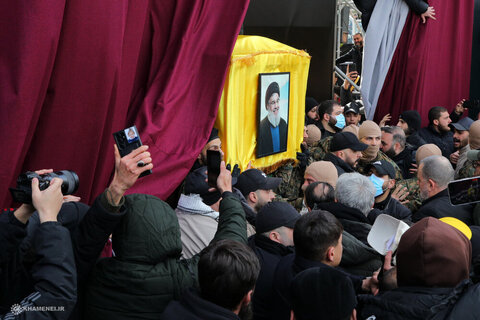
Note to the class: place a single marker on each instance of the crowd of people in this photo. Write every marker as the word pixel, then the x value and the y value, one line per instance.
pixel 293 244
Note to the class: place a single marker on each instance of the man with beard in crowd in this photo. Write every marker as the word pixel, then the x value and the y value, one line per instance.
pixel 434 174
pixel 438 131
pixel 227 272
pixel 331 117
pixel 355 54
pixel 410 121
pixel 394 146
pixel 370 134
pixel 460 142
pixel 272 132
pixel 345 150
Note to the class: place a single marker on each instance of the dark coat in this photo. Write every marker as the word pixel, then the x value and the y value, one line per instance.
pixel 269 254
pixel 147 272
pixel 341 165
pixel 354 55
pixel 353 220
pixel 393 208
pixel 414 141
pixel 264 139
pixel 192 307
pixel 439 206
pixel 288 267
pixel 404 161
pixel 423 303
pixel 442 140
pixel 52 275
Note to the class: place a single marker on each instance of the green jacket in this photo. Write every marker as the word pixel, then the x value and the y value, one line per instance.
pixel 147 272
pixel 363 165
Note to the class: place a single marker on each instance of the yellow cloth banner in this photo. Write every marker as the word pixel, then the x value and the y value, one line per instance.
pixel 237 114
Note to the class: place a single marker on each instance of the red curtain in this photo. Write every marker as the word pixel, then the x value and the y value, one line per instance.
pixel 74 72
pixel 431 65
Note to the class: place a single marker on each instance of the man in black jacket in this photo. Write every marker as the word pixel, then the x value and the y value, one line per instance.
pixel 394 146
pixel 53 274
pixel 438 131
pixel 410 121
pixel 318 243
pixel 382 174
pixel 227 272
pixel 345 150
pixel 273 240
pixel 434 174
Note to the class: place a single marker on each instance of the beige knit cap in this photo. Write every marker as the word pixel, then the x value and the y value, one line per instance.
pixel 369 129
pixel 314 134
pixel 474 135
pixel 323 171
pixel 427 150
pixel 352 128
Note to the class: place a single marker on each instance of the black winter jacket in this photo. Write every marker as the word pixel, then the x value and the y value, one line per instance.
pixel 443 140
pixel 404 161
pixel 422 303
pixel 53 274
pixel 192 307
pixel 341 165
pixel 353 220
pixel 439 206
pixel 269 254
pixel 393 208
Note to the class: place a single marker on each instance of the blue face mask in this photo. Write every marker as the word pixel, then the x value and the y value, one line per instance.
pixel 378 183
pixel 340 121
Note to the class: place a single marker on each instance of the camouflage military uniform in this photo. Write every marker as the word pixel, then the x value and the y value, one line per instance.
pixel 363 165
pixel 319 150
pixel 414 200
pixel 292 180
pixel 467 170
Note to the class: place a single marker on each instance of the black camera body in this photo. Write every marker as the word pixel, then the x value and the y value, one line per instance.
pixel 23 192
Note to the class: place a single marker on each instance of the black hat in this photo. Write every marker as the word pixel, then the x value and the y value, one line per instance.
pixel 310 103
pixel 195 183
pixel 412 118
pixel 272 88
pixel 352 107
pixel 346 140
pixel 274 215
pixel 463 124
pixel 253 179
pixel 383 167
pixel 322 291
pixel 213 135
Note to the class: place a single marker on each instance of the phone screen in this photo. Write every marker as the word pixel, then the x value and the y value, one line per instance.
pixel 213 167
pixel 464 191
pixel 128 140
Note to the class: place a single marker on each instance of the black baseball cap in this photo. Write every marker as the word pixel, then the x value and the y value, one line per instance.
pixel 253 179
pixel 196 183
pixel 463 124
pixel 352 107
pixel 383 167
pixel 346 140
pixel 275 215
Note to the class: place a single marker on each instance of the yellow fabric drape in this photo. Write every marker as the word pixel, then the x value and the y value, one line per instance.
pixel 237 113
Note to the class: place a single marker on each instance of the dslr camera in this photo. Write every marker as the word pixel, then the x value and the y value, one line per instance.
pixel 23 192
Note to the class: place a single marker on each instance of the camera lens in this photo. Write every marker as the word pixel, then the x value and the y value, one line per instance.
pixel 70 181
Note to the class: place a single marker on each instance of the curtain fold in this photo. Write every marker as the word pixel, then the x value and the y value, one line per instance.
pixel 72 74
pixel 431 66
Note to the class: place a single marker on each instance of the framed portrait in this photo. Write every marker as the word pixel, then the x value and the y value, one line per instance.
pixel 272 113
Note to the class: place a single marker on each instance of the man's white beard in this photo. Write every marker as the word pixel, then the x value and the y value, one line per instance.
pixel 273 119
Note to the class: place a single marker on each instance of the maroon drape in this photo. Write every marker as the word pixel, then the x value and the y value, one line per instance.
pixel 431 65
pixel 73 72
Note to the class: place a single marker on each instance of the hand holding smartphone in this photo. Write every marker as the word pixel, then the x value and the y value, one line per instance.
pixel 128 140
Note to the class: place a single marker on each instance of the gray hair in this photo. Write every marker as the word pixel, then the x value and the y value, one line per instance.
pixel 398 135
pixel 356 191
pixel 439 169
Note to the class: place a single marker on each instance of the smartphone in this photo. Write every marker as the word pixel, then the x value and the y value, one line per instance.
pixel 352 66
pixel 464 191
pixel 213 167
pixel 128 140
